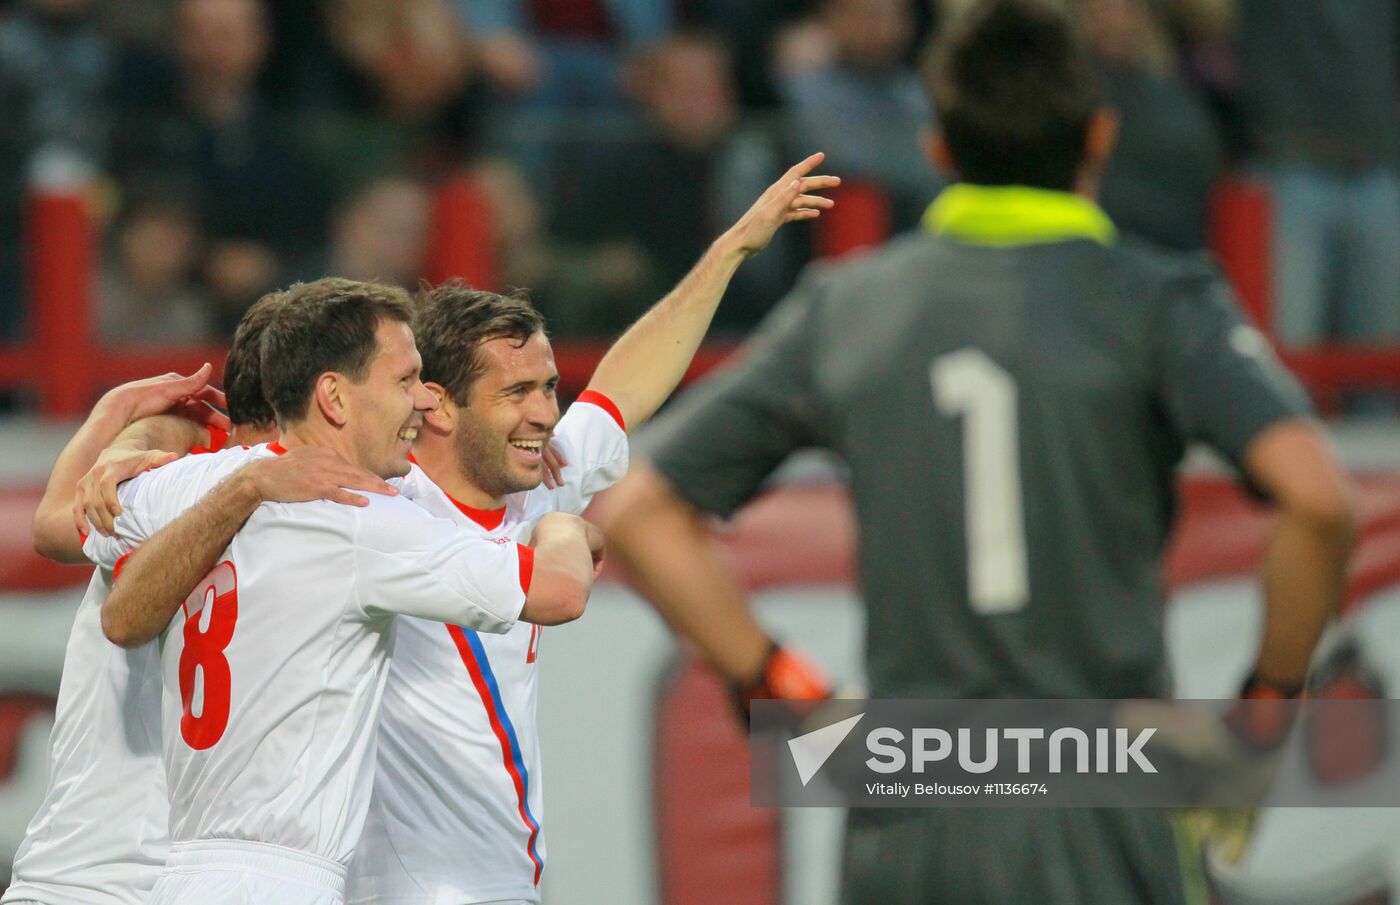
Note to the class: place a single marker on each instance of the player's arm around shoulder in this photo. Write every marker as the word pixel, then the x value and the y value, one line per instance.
pixel 568 555
pixel 409 562
pixel 124 435
pixel 155 574
pixel 190 529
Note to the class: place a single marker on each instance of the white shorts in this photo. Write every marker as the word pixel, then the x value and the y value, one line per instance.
pixel 229 872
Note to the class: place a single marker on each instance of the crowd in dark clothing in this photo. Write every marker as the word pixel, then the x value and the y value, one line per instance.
pixel 245 144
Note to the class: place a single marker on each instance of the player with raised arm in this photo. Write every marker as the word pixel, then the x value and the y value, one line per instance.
pixel 1012 388
pixel 272 671
pixel 457 814
pixel 99 836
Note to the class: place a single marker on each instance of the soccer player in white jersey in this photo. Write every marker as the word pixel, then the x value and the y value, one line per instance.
pixel 457 811
pixel 273 676
pixel 99 835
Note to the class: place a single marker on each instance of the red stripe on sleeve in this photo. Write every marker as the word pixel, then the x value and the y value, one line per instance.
pixel 603 403
pixel 527 566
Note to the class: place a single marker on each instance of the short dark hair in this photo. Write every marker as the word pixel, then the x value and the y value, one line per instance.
pixel 1014 88
pixel 452 322
pixel 243 386
pixel 327 325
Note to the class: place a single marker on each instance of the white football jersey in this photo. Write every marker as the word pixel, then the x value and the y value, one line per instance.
pixel 99 836
pixel 457 809
pixel 272 673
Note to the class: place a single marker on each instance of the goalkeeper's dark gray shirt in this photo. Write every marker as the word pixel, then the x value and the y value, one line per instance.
pixel 1012 388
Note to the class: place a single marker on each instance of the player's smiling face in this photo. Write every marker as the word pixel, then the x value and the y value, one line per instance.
pixel 387 407
pixel 509 416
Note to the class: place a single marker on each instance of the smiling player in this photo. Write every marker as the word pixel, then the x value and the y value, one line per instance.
pixel 457 814
pixel 273 669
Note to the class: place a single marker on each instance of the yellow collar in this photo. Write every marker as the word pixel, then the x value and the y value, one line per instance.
pixel 1009 215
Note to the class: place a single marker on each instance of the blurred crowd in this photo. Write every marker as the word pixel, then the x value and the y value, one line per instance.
pixel 243 144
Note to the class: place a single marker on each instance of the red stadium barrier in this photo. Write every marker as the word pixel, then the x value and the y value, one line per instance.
pixel 67 367
pixel 712 845
pixel 62 267
pixel 1240 233
pixel 464 237
pixel 861 219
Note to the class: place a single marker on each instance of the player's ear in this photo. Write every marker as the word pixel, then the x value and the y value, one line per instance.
pixel 444 418
pixel 330 397
pixel 1100 138
pixel 937 151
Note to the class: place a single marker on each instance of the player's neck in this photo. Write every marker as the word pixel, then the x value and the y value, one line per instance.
pixel 252 434
pixel 313 432
pixel 439 461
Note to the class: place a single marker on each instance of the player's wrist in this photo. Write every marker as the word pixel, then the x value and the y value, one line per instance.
pixel 248 487
pixel 729 249
pixel 1259 688
pixel 785 675
pixel 115 408
pixel 1265 712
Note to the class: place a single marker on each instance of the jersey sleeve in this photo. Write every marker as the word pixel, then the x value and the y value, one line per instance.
pixel 409 562
pixel 728 433
pixel 1220 381
pixel 131 528
pixel 593 441
pixel 154 499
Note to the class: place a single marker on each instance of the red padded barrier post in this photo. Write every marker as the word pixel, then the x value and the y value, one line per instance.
pixel 464 235
pixel 861 220
pixel 1241 236
pixel 712 846
pixel 62 265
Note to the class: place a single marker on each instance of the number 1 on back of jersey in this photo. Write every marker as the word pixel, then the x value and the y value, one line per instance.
pixel 968 384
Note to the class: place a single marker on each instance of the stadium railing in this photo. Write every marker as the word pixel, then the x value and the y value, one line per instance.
pixel 66 366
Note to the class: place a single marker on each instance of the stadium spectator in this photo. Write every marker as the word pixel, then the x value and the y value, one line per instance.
pixel 413 53
pixel 548 59
pixel 1169 150
pixel 54 66
pixel 381 233
pixel 659 199
pixel 1320 102
pixel 750 29
pixel 569 279
pixel 198 121
pixel 148 293
pixel 861 100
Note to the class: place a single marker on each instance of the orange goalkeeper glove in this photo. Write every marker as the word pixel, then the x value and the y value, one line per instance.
pixel 786 675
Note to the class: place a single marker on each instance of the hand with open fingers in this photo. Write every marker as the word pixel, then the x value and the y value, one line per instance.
pixel 790 198
pixel 313 473
pixel 189 396
pixel 554 465
pixel 95 500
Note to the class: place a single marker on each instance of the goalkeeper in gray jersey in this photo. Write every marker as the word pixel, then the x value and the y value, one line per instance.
pixel 1012 388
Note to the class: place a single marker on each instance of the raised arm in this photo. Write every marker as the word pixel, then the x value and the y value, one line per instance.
pixel 127 413
pixel 156 578
pixel 647 362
